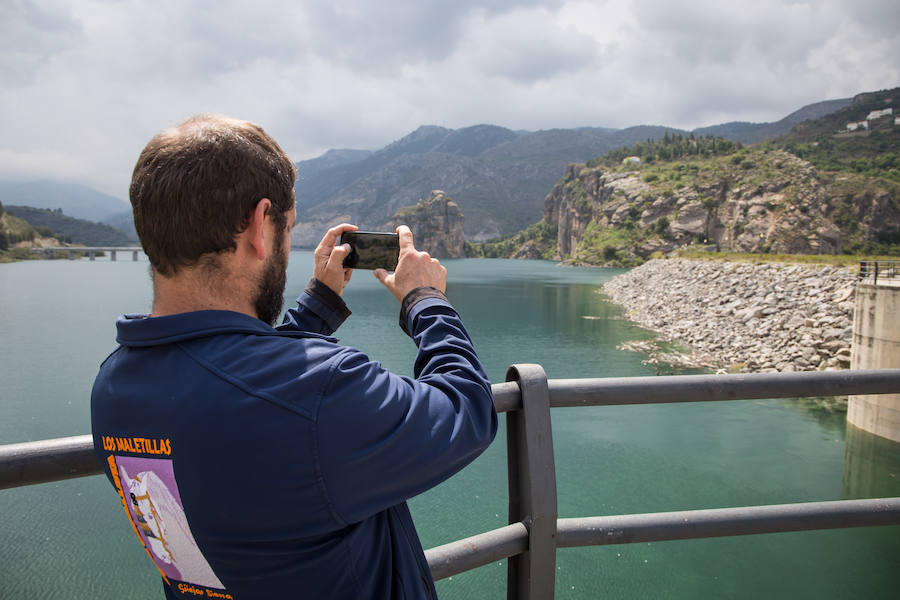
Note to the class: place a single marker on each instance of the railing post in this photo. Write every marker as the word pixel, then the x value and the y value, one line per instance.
pixel 532 486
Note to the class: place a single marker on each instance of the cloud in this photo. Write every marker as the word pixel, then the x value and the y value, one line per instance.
pixel 30 35
pixel 87 82
pixel 524 46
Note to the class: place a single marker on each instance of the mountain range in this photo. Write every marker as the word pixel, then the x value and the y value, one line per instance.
pixel 498 177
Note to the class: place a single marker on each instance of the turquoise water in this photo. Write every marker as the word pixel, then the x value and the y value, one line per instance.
pixel 70 540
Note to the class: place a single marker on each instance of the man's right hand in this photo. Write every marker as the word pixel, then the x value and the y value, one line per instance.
pixel 414 269
pixel 328 259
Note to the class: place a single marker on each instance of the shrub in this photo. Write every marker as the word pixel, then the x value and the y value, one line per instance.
pixel 610 252
pixel 661 227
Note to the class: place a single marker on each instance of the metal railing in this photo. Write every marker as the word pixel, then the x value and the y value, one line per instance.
pixel 535 531
pixel 886 270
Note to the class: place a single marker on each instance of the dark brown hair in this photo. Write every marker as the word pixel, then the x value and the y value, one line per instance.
pixel 195 185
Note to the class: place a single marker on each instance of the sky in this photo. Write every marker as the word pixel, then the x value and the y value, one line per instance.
pixel 84 84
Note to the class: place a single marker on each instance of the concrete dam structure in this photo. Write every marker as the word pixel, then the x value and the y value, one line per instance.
pixel 876 345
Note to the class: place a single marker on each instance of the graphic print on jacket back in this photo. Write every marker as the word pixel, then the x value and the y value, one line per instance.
pixel 150 498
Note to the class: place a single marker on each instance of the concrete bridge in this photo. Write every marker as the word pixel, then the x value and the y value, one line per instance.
pixel 91 251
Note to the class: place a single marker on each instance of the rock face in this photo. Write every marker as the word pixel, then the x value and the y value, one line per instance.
pixel 437 225
pixel 742 316
pixel 760 201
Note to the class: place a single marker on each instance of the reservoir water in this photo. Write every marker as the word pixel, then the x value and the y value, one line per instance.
pixel 70 539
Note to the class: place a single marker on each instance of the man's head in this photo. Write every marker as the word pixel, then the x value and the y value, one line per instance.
pixel 195 186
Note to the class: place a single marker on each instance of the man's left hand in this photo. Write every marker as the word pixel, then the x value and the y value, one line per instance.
pixel 328 259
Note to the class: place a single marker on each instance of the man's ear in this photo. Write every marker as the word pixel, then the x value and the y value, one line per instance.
pixel 256 228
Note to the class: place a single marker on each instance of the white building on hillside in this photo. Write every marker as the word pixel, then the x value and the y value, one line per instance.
pixel 877 114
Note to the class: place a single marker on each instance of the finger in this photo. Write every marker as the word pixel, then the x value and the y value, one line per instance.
pixel 331 236
pixel 406 238
pixel 338 255
pixel 380 274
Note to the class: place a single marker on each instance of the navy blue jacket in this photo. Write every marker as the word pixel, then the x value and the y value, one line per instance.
pixel 260 462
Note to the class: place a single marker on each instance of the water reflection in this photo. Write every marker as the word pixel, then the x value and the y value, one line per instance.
pixel 871 466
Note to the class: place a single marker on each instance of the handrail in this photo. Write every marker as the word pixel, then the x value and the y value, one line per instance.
pixel 879 269
pixel 43 461
pixel 534 533
pixel 485 548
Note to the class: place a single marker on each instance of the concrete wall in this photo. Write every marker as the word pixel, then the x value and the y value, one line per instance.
pixel 876 345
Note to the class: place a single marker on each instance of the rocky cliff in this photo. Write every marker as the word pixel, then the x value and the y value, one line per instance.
pixel 437 225
pixel 755 200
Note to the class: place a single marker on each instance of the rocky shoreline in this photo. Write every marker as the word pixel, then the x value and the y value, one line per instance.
pixel 741 317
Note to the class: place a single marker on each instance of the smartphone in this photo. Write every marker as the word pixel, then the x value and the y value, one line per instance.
pixel 371 250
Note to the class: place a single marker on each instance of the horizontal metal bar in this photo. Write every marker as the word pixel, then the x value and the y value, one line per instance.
pixel 507 396
pixel 706 388
pixel 484 548
pixel 720 522
pixel 476 551
pixel 43 461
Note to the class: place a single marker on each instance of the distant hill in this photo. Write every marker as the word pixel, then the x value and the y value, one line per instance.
pixel 751 133
pixel 75 200
pixel 499 177
pixel 854 111
pixel 124 222
pixel 332 158
pixel 70 229
pixel 819 189
pixel 14 230
pixel 872 149
pixel 724 198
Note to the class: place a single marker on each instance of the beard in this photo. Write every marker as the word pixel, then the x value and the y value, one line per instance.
pixel 269 298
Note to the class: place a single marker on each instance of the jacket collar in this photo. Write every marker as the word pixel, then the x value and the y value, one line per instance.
pixel 136 330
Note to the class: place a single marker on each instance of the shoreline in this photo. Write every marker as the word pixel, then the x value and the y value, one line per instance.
pixel 740 316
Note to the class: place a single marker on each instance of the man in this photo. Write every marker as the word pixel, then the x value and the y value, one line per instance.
pixel 261 462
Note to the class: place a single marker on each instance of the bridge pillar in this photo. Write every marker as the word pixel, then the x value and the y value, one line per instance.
pixel 91 254
pixel 112 255
pixel 876 345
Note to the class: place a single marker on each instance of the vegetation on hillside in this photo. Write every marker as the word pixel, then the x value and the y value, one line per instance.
pixel 668 148
pixel 13 231
pixel 541 235
pixel 873 150
pixel 705 169
pixel 69 229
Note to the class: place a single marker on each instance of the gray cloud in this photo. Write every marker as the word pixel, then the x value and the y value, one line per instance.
pixel 87 82
pixel 30 35
pixel 381 35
